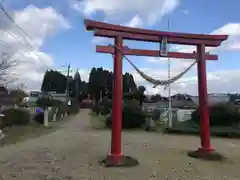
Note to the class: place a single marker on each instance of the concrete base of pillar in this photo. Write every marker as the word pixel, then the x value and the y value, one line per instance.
pixel 119 161
pixel 207 154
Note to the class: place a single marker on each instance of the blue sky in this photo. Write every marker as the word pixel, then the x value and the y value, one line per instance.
pixel 76 46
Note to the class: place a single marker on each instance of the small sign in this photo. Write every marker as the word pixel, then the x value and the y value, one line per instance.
pixel 164 47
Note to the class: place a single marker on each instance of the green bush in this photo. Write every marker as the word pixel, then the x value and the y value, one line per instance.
pixel 15 117
pixel 103 108
pixel 132 117
pixel 47 102
pixel 225 133
pixel 220 115
pixel 97 108
pixel 64 108
pixel 156 114
pixel 106 107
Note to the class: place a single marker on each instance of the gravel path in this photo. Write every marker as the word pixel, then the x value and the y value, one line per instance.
pixel 72 153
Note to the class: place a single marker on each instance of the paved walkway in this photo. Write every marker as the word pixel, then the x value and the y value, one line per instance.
pixel 72 153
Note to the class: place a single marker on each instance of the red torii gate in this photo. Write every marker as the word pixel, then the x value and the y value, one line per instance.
pixel 120 33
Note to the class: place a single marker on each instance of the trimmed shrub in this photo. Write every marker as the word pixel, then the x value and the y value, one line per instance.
pixel 220 115
pixel 15 117
pixel 156 114
pixel 132 118
pixel 106 107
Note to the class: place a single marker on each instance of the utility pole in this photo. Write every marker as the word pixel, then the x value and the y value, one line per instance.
pixel 77 90
pixel 169 89
pixel 67 84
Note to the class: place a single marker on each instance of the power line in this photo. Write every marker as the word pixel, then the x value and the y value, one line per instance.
pixel 19 27
pixel 31 48
pixel 19 51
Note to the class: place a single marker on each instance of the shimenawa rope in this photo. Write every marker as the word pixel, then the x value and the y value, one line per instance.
pixel 155 82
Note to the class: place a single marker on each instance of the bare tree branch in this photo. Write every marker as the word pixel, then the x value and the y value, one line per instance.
pixel 6 63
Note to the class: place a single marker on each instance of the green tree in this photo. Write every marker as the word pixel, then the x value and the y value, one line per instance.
pixel 84 90
pixel 92 83
pixel 54 81
pixel 156 97
pixel 101 84
pixel 75 85
pixel 141 96
pixel 18 95
pixel 128 83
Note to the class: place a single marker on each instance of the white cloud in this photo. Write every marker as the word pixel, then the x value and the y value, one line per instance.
pixel 157 60
pixel 147 11
pixel 135 22
pixel 232 43
pixel 101 40
pixel 232 29
pixel 32 62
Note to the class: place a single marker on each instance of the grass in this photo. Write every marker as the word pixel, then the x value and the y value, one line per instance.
pixel 97 122
pixel 17 134
pixel 160 126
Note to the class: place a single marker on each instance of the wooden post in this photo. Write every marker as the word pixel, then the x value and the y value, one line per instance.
pixel 46 117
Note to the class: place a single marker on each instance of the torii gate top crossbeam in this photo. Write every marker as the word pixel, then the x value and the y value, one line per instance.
pixel 103 29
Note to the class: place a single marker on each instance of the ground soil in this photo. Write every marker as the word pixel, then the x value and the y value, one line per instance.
pixel 73 152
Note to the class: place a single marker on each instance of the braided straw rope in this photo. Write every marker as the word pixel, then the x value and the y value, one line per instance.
pixel 155 82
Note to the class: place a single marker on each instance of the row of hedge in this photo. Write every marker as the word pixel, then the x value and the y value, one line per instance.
pixel 227 133
pixel 56 104
pixel 21 116
pixel 220 115
pixel 224 120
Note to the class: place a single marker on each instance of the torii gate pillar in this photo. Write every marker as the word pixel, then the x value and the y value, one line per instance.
pixel 116 145
pixel 203 100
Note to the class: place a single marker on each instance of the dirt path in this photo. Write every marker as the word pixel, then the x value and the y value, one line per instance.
pixel 72 153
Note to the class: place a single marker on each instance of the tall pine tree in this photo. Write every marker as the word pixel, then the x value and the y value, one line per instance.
pixel 54 81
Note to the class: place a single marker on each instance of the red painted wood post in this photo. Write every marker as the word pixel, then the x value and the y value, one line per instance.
pixel 116 144
pixel 203 100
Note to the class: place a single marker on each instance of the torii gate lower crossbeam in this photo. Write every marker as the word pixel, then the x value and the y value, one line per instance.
pixel 119 33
